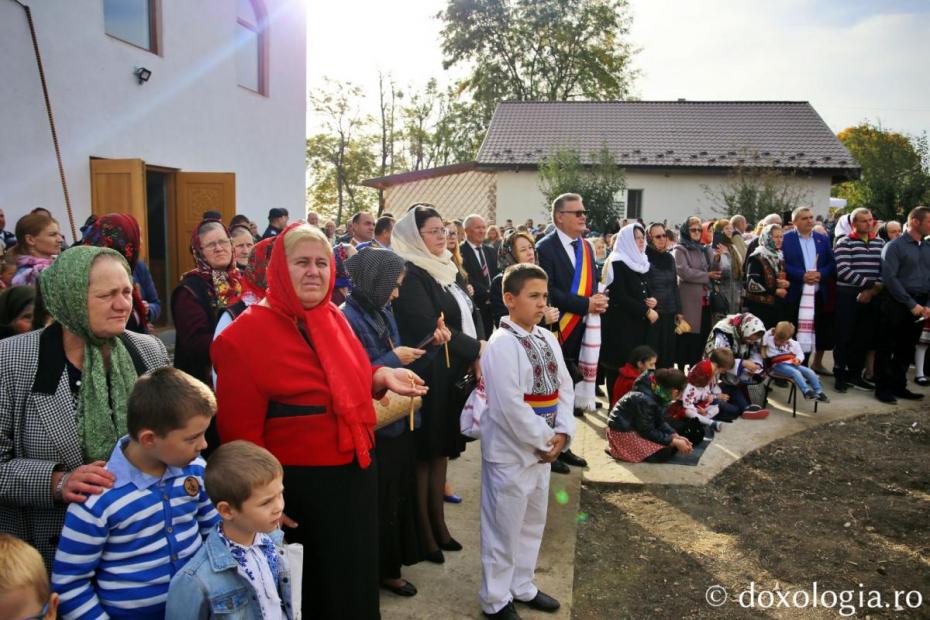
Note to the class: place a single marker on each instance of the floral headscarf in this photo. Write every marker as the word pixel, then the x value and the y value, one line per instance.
pixel 255 277
pixel 120 232
pixel 767 248
pixel 224 287
pixel 102 401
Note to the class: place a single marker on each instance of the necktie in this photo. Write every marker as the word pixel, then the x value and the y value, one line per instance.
pixel 481 262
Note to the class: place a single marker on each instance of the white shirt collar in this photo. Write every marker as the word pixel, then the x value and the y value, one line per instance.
pixel 520 331
pixel 566 240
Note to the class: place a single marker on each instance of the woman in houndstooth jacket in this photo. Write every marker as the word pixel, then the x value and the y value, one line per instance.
pixel 63 392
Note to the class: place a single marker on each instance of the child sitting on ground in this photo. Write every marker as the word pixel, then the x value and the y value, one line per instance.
pixel 783 355
pixel 642 358
pixel 24 587
pixel 244 552
pixel 527 424
pixel 637 429
pixel 703 399
pixel 119 549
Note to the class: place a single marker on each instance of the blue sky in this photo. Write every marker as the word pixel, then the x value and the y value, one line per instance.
pixel 854 60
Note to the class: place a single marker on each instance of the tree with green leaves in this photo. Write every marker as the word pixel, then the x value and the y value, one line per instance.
pixel 895 171
pixel 755 192
pixel 343 155
pixel 599 184
pixel 539 50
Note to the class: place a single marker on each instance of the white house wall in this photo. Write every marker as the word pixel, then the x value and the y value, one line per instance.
pixel 667 195
pixel 190 115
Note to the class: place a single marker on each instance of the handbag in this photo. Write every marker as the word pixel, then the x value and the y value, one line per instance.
pixel 719 303
pixel 463 388
pixel 396 408
pixel 475 406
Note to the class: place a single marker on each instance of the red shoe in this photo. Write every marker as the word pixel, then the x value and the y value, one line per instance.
pixel 759 414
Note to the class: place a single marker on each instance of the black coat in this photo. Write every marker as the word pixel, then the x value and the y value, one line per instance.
pixel 624 326
pixel 663 281
pixel 473 269
pixel 417 310
pixel 640 411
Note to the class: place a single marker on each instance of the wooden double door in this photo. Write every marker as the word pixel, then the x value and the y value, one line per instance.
pixel 168 204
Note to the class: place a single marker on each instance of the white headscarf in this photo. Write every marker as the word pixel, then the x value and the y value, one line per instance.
pixel 408 244
pixel 843 226
pixel 626 251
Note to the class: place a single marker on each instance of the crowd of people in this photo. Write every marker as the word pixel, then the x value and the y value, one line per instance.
pixel 136 484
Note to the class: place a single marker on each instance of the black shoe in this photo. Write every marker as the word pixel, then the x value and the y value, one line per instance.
pixel 570 458
pixel 886 397
pixel 508 612
pixel 810 395
pixel 451 545
pixel 861 383
pixel 408 589
pixel 841 386
pixel 922 381
pixel 578 412
pixel 823 398
pixel 558 467
pixel 542 602
pixel 906 394
pixel 436 557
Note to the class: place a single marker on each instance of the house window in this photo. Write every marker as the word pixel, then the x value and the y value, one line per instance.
pixel 251 46
pixel 634 204
pixel 132 21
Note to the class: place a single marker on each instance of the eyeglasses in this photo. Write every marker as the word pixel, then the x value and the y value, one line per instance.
pixel 662 236
pixel 695 230
pixel 435 232
pixel 579 213
pixel 216 245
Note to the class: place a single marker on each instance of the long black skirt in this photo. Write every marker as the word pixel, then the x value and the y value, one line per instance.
pixel 397 527
pixel 662 340
pixel 336 509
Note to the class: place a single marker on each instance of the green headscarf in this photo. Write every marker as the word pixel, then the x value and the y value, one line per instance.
pixel 101 412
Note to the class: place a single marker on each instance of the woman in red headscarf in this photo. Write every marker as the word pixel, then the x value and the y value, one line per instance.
pixel 120 232
pixel 312 408
pixel 205 292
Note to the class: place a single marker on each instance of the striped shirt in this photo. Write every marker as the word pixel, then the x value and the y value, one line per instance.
pixel 858 264
pixel 119 550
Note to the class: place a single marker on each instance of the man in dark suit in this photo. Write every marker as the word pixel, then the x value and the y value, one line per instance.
pixel 557 255
pixel 809 260
pixel 277 221
pixel 480 263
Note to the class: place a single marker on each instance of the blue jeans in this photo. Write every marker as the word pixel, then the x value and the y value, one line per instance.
pixel 805 378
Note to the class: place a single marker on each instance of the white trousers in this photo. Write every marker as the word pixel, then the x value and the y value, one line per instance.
pixel 514 500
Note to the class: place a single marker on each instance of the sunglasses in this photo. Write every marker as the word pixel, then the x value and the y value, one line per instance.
pixel 580 213
pixel 695 230
pixel 661 236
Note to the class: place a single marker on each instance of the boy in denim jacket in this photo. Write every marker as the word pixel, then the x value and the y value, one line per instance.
pixel 241 570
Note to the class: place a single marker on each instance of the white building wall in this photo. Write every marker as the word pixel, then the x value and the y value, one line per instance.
pixel 190 115
pixel 667 195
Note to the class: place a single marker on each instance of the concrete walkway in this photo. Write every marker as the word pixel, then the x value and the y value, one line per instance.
pixel 734 442
pixel 450 590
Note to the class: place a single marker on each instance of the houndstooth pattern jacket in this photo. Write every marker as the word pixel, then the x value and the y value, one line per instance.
pixel 38 429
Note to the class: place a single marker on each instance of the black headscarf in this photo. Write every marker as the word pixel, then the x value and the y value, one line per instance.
pixel 374 273
pixel 12 303
pixel 686 240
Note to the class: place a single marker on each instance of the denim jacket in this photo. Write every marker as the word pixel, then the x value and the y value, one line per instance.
pixel 210 586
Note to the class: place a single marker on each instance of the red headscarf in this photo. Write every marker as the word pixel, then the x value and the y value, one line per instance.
pixel 344 361
pixel 255 276
pixel 120 232
pixel 701 373
pixel 224 287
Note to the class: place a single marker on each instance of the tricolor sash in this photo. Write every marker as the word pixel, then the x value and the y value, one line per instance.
pixel 544 405
pixel 582 285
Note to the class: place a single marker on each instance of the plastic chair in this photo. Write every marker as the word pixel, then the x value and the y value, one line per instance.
pixel 792 392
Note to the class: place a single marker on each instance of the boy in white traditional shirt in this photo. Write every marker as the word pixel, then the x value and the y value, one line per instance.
pixel 784 356
pixel 527 424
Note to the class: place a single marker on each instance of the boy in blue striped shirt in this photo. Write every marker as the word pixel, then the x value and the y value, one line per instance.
pixel 119 550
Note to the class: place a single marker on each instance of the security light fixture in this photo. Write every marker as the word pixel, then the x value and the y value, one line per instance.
pixel 142 74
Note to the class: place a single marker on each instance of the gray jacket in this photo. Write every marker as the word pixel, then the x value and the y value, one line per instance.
pixel 38 429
